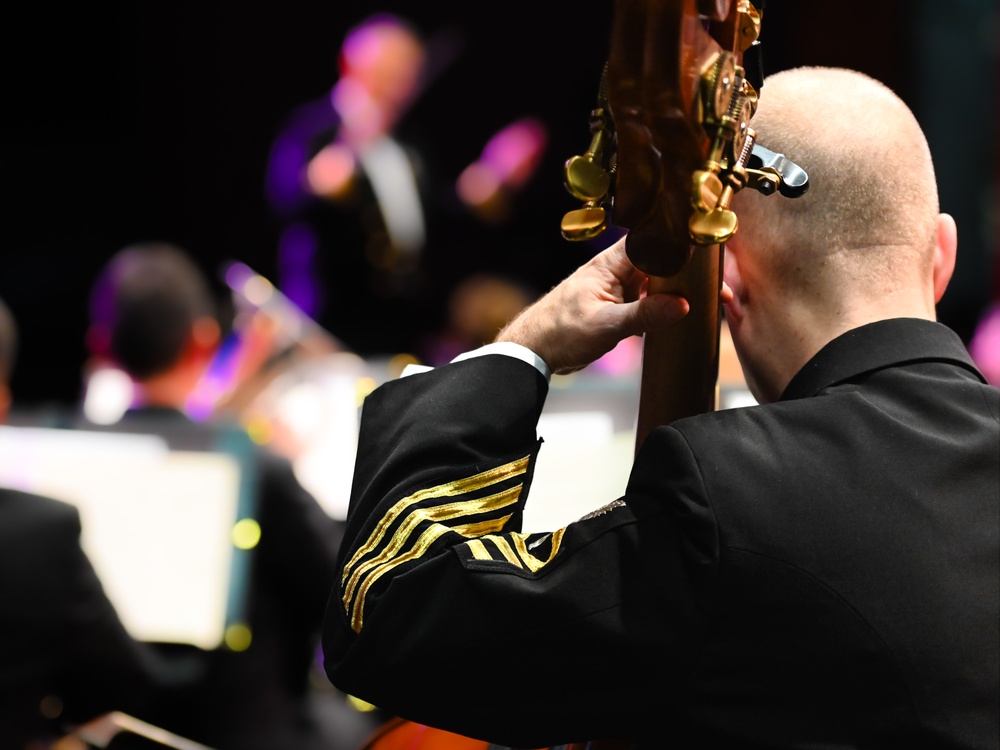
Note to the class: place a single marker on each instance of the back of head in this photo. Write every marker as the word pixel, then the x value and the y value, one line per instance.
pixel 145 305
pixel 871 209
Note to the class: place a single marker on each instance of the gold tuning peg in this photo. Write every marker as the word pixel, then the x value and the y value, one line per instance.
pixel 706 189
pixel 718 225
pixel 713 221
pixel 586 176
pixel 584 223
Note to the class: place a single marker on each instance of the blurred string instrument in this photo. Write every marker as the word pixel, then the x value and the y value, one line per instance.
pixel 671 143
pixel 290 383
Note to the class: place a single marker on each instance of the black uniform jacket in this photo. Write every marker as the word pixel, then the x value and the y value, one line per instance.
pixel 818 572
pixel 258 699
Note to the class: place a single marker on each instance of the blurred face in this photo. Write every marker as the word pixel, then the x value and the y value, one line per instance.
pixel 387 61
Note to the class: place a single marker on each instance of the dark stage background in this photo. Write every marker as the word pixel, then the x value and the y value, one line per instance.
pixel 134 121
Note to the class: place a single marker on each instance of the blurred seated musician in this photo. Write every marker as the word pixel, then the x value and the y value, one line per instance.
pixel 816 570
pixel 153 315
pixel 65 656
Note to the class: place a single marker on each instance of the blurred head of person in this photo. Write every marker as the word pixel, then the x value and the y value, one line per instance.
pixel 382 63
pixel 152 313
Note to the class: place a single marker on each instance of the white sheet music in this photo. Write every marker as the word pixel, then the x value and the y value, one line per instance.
pixel 156 523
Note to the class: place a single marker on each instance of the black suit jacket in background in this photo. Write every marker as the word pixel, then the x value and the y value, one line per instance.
pixel 65 657
pixel 258 699
pixel 823 571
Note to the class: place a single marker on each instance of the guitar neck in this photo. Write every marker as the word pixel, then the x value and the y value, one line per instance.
pixel 680 365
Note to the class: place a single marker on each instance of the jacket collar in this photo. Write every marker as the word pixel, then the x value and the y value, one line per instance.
pixel 877 345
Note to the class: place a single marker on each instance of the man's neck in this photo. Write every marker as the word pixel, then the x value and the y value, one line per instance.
pixel 170 389
pixel 788 338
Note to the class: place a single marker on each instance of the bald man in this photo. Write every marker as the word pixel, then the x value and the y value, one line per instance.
pixel 817 570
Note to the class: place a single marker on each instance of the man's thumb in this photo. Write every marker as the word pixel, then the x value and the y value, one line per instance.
pixel 657 311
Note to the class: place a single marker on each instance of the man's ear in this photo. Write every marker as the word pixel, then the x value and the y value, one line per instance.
pixel 945 250
pixel 732 275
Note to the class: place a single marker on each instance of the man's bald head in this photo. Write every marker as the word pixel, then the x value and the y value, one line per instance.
pixel 872 202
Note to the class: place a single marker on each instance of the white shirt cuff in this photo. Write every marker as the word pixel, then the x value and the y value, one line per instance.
pixel 506 348
pixel 510 349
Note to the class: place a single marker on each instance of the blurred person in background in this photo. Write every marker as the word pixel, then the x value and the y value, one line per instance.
pixel 352 195
pixel 478 307
pixel 154 316
pixel 373 223
pixel 65 656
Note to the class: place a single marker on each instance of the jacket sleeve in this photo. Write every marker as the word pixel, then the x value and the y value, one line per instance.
pixel 444 613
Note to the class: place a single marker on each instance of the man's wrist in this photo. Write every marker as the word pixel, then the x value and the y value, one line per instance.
pixel 510 349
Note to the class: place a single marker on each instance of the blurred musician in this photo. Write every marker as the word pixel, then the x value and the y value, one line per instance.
pixel 353 197
pixel 152 315
pixel 65 657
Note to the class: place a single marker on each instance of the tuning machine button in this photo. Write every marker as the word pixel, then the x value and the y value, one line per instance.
pixel 584 223
pixel 589 177
pixel 585 176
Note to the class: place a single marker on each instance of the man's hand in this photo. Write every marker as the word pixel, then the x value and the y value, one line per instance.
pixel 589 312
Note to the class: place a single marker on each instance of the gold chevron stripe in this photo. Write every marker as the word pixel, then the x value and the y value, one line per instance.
pixel 424 541
pixel 478 549
pixel 449 489
pixel 519 555
pixel 506 550
pixel 435 514
pixel 533 563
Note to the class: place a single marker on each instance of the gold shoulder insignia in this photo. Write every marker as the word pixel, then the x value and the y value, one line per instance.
pixel 516 550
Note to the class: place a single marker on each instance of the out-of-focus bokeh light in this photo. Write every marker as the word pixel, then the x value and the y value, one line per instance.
pixel 246 533
pixel 985 344
pixel 258 290
pixel 109 393
pixel 303 408
pixel 238 637
pixel 506 163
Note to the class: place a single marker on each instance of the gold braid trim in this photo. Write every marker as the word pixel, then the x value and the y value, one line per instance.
pixel 358 578
pixel 430 535
pixel 518 554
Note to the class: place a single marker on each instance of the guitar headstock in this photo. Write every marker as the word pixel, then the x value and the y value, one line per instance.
pixel 671 136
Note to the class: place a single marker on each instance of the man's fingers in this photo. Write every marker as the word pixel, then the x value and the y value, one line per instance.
pixel 661 310
pixel 651 313
pixel 727 293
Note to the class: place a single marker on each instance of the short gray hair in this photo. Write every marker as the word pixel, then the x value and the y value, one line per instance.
pixel 872 184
